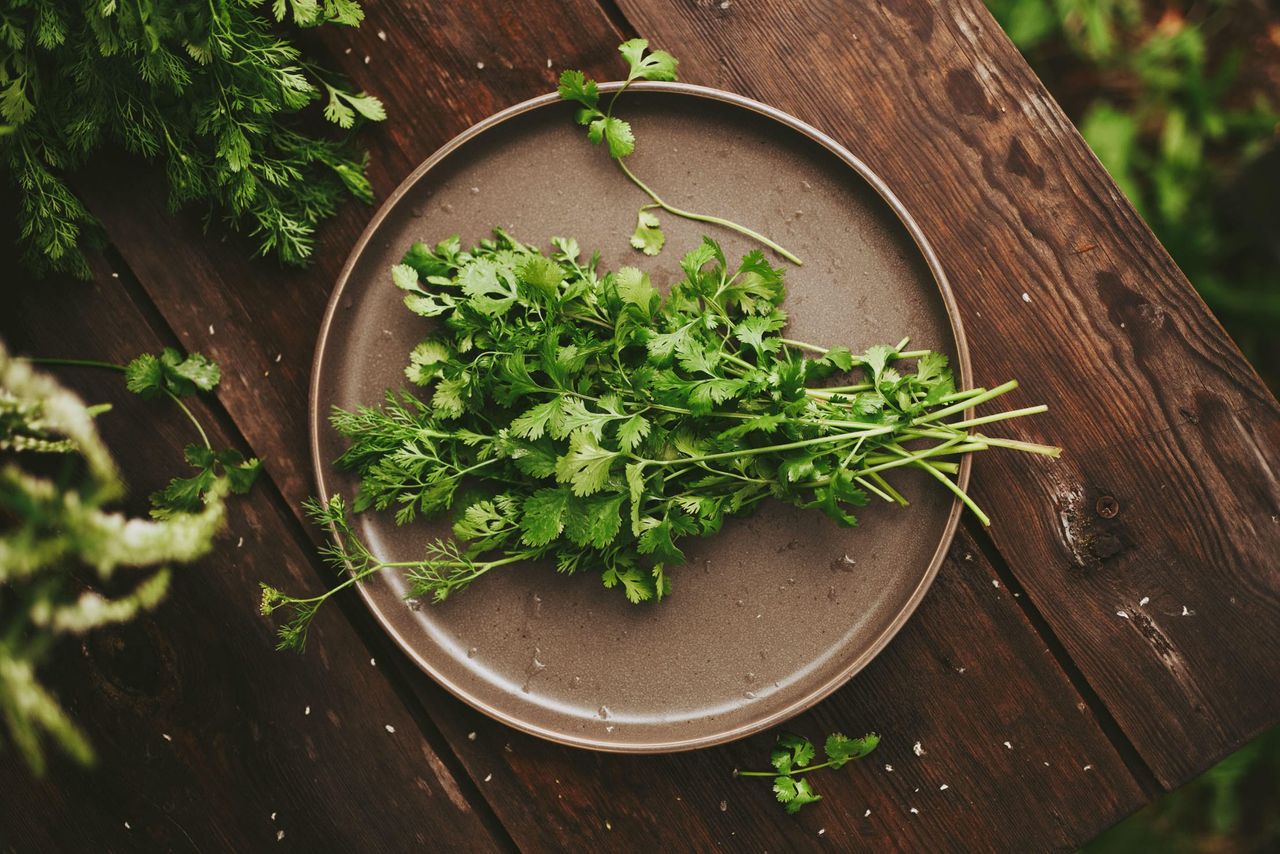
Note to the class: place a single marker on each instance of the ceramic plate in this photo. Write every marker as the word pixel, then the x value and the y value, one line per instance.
pixel 779 609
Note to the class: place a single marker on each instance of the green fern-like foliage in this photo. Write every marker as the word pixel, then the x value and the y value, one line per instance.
pixel 60 544
pixel 210 88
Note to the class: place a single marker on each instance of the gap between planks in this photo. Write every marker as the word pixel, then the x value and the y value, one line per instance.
pixel 355 613
pixel 1138 768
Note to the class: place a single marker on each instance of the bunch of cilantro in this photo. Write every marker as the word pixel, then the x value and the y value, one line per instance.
pixel 210 88
pixel 579 417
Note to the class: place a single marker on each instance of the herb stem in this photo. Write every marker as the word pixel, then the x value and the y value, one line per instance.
pixel 714 220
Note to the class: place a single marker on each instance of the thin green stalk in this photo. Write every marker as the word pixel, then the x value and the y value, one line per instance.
pixel 112 366
pixel 714 220
pixel 960 493
pixel 966 404
pixel 803 443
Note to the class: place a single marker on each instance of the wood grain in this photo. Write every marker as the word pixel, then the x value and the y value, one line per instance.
pixel 1068 291
pixel 206 738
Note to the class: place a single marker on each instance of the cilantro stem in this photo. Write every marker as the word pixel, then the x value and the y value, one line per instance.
pixel 999 416
pixel 190 417
pixel 714 220
pixel 793 772
pixel 803 443
pixel 75 363
pixel 959 493
pixel 112 366
pixel 973 401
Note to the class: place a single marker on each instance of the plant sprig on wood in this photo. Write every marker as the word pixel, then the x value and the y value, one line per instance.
pixel 208 87
pixel 616 134
pixel 580 417
pixel 793 756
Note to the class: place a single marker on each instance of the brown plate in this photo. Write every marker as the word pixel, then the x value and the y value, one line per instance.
pixel 779 609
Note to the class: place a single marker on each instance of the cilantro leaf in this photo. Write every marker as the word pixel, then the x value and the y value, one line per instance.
pixel 841 749
pixel 586 465
pixel 657 65
pixel 544 516
pixel 648 236
pixel 574 86
pixel 171 372
pixel 615 132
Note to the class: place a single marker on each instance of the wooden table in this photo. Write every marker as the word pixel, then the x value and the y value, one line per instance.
pixel 1113 634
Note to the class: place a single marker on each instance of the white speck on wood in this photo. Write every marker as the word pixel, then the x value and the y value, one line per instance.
pixel 1143 601
pixel 1046 764
pixel 867 813
pixel 279 836
pixel 127 826
pixel 1124 615
pixel 367 60
pixel 115 275
pixel 995 582
pixel 240 543
pixel 1009 745
pixel 608 824
pixel 1026 297
pixel 888 767
pixel 488 777
pixel 471 736
pixel 548 63
pixel 915 811
pixel 1087 768
pixel 210 328
pixel 724 806
pixel 166 736
pixel 373 662
pixel 917 749
pixel 382 35
pixel 1187 612
pixel 307 710
pixel 279 356
pixel 480 65
pixel 390 728
pixel 943 787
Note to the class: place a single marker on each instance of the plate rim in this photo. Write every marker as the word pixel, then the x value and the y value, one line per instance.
pixel 806 701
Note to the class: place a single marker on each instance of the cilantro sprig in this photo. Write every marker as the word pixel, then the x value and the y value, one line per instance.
pixel 617 136
pixel 791 759
pixel 580 417
pixel 174 375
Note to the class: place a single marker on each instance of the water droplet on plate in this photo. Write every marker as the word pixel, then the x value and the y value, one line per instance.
pixel 603 712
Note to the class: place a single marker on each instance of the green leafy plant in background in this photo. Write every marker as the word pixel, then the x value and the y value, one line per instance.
pixel 68 563
pixel 211 88
pixel 1179 101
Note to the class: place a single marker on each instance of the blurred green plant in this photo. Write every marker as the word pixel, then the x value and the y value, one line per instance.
pixel 68 562
pixel 1180 102
pixel 1232 807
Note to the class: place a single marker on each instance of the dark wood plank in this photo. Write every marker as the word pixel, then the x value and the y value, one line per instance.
pixel 1062 286
pixel 547 795
pixel 964 677
pixel 206 738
